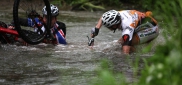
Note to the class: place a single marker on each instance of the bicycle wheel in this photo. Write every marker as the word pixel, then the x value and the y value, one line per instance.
pixel 22 9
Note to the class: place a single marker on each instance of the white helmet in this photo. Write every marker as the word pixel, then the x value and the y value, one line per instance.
pixel 110 18
pixel 54 10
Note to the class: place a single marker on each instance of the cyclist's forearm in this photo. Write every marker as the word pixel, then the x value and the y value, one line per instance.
pixel 99 24
pixel 95 31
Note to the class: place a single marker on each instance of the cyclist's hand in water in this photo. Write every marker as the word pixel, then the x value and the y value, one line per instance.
pixel 94 32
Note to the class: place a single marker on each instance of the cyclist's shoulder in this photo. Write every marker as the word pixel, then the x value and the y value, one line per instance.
pixel 61 24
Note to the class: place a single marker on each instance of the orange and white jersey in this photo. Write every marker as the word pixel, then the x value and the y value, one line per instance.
pixel 132 19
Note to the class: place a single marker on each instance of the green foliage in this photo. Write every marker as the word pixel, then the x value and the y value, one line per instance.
pixel 87 4
pixel 108 2
pixel 56 2
pixel 165 65
pixel 148 4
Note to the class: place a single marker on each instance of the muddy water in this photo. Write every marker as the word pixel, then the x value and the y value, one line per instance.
pixel 72 64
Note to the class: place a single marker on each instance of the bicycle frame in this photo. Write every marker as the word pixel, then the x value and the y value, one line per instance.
pixel 4 35
pixel 8 31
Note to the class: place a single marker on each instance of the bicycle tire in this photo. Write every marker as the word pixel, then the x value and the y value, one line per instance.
pixel 30 37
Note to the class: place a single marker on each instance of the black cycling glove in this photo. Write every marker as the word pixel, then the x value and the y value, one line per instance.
pixel 95 31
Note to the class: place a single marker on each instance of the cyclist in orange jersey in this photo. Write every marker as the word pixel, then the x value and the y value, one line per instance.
pixel 137 27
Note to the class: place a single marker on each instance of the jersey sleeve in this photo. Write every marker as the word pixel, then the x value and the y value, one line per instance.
pixel 62 26
pixel 34 22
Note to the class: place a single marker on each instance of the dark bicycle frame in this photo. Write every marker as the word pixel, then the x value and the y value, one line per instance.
pixel 3 35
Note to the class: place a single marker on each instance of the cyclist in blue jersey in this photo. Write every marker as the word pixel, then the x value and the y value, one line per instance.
pixel 57 28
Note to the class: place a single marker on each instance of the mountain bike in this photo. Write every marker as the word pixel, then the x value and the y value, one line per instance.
pixel 23 9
